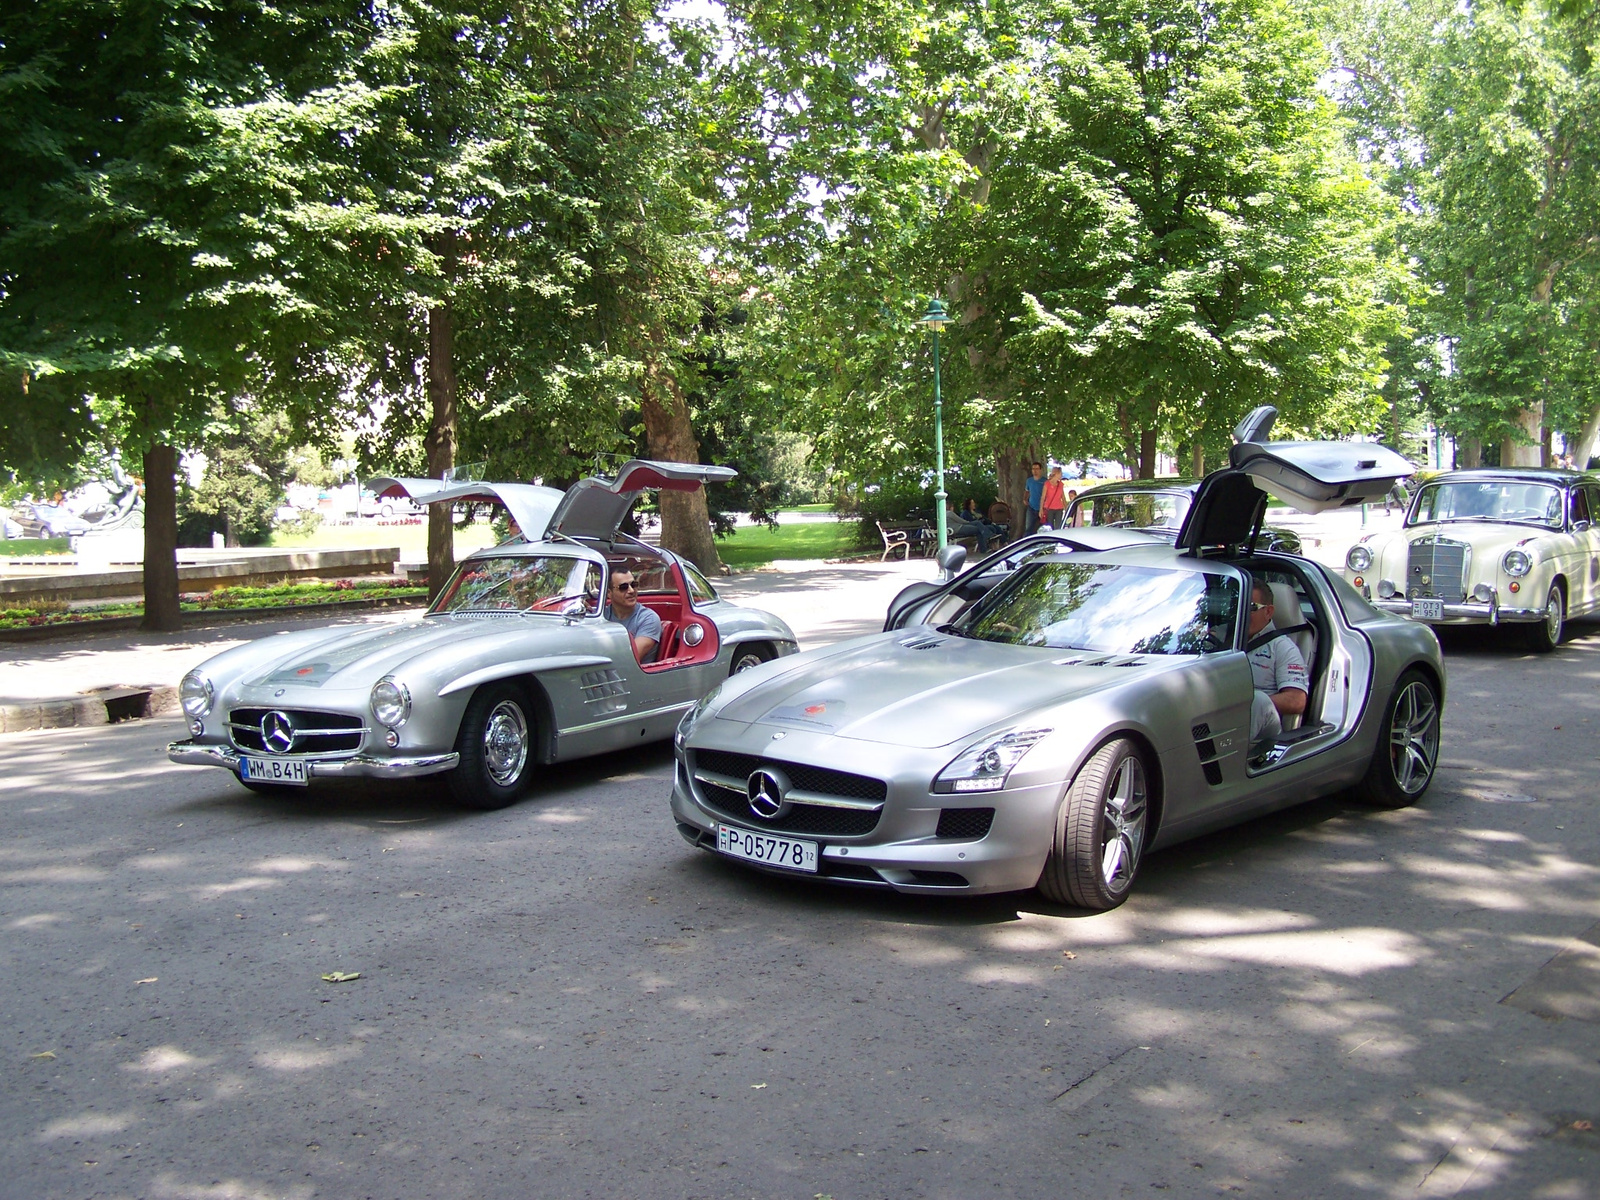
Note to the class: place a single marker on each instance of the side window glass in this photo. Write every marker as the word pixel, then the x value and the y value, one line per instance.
pixel 700 589
pixel 1580 505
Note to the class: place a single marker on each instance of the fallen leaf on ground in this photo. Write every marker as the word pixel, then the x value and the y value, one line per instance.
pixel 341 976
pixel 43 1054
pixel 152 979
pixel 1584 1126
pixel 758 1086
pixel 1068 954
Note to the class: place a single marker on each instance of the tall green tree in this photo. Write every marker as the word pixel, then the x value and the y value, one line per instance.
pixel 167 232
pixel 1484 118
pixel 1143 216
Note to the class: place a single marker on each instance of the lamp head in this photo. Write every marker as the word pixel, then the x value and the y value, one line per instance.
pixel 936 317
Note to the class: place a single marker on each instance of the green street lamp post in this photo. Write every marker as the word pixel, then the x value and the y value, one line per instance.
pixel 934 319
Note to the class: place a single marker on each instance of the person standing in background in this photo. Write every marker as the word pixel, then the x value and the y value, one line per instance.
pixel 1053 503
pixel 1034 486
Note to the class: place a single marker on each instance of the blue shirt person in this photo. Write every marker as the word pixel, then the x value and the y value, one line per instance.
pixel 1035 489
pixel 641 622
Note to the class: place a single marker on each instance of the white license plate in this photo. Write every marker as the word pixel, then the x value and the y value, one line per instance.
pixel 1427 610
pixel 767 850
pixel 274 770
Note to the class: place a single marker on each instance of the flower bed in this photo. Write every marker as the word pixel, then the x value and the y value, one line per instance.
pixel 280 596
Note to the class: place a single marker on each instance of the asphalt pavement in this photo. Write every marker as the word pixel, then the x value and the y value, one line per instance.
pixel 563 999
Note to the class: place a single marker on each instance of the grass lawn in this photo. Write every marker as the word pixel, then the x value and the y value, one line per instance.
pixel 806 508
pixel 411 539
pixel 29 547
pixel 755 546
pixel 748 547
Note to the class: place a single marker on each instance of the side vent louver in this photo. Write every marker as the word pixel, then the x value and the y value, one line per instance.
pixel 923 643
pixel 1207 747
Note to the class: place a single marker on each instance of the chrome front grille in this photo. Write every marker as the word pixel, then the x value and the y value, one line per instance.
pixel 308 732
pixel 1437 566
pixel 820 800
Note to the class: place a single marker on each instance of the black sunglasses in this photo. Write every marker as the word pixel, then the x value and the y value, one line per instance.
pixel 629 586
pixel 1254 607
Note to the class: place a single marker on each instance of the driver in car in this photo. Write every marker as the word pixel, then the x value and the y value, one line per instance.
pixel 641 621
pixel 1278 669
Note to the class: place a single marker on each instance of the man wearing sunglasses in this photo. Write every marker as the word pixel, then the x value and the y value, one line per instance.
pixel 1278 668
pixel 641 622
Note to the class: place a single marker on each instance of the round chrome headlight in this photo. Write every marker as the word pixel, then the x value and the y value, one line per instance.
pixel 1516 562
pixel 196 694
pixel 1359 558
pixel 391 703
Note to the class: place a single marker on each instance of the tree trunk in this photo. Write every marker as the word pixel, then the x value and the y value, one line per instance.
pixel 1523 450
pixel 1584 446
pixel 440 442
pixel 669 435
pixel 1130 445
pixel 1147 454
pixel 1546 446
pixel 1011 463
pixel 161 611
pixel 1197 467
pixel 230 539
pixel 1469 453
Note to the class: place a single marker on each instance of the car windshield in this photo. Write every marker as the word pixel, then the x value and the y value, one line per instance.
pixel 1108 608
pixel 1489 500
pixel 516 583
pixel 1138 510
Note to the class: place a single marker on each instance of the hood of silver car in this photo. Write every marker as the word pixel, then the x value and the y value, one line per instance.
pixel 919 688
pixel 347 658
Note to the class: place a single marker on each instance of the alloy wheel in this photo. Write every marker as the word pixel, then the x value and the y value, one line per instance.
pixel 1124 816
pixel 505 742
pixel 1414 737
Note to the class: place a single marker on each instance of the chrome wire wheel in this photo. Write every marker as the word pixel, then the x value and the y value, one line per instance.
pixel 747 658
pixel 1123 828
pixel 1414 737
pixel 505 742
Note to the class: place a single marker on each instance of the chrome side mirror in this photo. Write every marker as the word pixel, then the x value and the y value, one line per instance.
pixel 574 610
pixel 1580 526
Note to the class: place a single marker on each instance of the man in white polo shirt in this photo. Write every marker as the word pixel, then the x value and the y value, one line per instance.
pixel 1278 669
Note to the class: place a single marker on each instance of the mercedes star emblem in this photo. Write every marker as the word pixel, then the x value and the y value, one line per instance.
pixel 768 794
pixel 277 732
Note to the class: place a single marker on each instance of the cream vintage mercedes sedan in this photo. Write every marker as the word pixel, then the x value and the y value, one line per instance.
pixel 1491 546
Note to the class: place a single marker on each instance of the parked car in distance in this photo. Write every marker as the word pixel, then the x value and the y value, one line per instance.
pixel 1490 546
pixel 1070 702
pixel 514 665
pixel 1157 507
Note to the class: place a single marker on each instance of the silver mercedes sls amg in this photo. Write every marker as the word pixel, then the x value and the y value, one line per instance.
pixel 1047 717
pixel 515 664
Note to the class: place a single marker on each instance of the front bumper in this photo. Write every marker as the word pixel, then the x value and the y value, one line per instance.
pixel 1469 614
pixel 903 853
pixel 362 766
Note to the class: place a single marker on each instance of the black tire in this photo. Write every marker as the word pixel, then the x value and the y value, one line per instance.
pixel 1100 830
pixel 749 655
pixel 496 744
pixel 1546 635
pixel 1407 753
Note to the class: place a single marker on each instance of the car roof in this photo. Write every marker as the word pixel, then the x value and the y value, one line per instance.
pixel 1553 475
pixel 1174 484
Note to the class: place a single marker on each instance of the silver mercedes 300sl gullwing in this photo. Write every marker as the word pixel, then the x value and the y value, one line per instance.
pixel 1046 717
pixel 515 664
